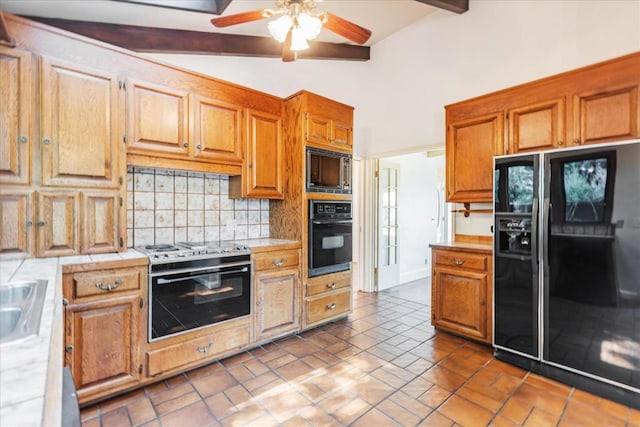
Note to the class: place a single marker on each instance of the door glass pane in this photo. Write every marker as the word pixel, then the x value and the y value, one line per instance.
pixel 585 182
pixel 520 179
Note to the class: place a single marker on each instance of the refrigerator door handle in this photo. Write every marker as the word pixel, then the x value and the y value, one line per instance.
pixel 534 234
pixel 545 241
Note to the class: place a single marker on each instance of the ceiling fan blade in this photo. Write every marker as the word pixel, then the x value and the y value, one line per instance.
pixel 288 55
pixel 347 29
pixel 238 18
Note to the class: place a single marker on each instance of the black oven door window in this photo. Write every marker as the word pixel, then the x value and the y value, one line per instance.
pixel 184 301
pixel 330 246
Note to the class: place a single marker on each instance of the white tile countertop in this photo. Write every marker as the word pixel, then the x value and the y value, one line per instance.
pixel 31 368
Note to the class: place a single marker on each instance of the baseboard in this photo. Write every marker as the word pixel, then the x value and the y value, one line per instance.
pixel 410 276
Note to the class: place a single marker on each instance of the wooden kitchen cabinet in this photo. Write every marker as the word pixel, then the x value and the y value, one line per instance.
pixel 471 145
pixel 157 120
pixel 80 126
pixel 105 328
pixel 262 171
pixel 58 223
pixel 16 132
pixel 606 115
pixel 461 293
pixel 276 284
pixel 328 124
pixel 327 297
pixel 102 228
pixel 537 126
pixel 217 130
pixel 16 221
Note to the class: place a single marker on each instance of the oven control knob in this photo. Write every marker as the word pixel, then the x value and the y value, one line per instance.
pixel 181 255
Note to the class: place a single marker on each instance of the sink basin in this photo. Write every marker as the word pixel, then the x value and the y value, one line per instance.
pixel 20 309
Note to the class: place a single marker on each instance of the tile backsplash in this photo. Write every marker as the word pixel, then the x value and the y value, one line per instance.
pixel 167 206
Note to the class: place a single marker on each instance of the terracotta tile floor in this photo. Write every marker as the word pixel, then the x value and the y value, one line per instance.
pixel 383 366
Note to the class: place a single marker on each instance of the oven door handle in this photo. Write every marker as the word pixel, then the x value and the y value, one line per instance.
pixel 162 281
pixel 213 269
pixel 329 221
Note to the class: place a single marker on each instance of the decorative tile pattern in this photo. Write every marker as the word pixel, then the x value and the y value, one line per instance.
pixel 368 370
pixel 166 206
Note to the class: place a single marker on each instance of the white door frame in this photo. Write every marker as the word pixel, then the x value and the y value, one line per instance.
pixel 369 208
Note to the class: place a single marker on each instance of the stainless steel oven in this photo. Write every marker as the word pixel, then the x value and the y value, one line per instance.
pixel 330 237
pixel 194 289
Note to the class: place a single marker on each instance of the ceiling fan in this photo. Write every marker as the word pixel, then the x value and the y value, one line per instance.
pixel 297 22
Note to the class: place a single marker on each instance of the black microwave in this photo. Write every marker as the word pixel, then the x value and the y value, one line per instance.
pixel 328 171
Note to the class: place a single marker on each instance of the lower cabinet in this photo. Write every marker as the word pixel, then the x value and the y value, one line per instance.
pixel 105 318
pixel 461 293
pixel 276 290
pixel 327 297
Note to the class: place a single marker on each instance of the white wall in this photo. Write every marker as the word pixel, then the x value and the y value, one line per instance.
pixel 399 95
pixel 417 205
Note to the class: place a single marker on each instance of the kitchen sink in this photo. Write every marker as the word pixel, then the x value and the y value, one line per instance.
pixel 20 309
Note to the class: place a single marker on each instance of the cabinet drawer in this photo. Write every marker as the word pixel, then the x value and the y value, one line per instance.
pixel 105 282
pixel 325 307
pixel 322 284
pixel 279 259
pixel 196 349
pixel 461 260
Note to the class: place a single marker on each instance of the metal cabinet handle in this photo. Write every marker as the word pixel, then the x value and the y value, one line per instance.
pixel 68 348
pixel 458 262
pixel 109 287
pixel 481 302
pixel 331 306
pixel 278 263
pixel 46 141
pixel 185 144
pixel 29 223
pixel 24 139
pixel 204 349
pixel 331 285
pixel 40 223
pixel 199 146
pixel 577 141
pixel 560 142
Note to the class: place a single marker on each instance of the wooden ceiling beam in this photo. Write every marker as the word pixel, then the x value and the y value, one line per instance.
pixel 163 40
pixel 215 7
pixel 456 6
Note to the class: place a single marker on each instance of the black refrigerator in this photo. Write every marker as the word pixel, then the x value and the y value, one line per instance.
pixel 567 266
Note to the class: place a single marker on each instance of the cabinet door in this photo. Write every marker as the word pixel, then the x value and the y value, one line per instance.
pixel 58 223
pixel 277 296
pixel 79 126
pixel 460 302
pixel 537 126
pixel 15 116
pixel 157 120
pixel 100 222
pixel 217 131
pixel 318 129
pixel 101 342
pixel 263 167
pixel 341 135
pixel 16 221
pixel 606 115
pixel 471 145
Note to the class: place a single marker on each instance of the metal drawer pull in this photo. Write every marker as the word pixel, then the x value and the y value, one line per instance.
pixel 331 285
pixel 458 262
pixel 278 263
pixel 109 286
pixel 204 349
pixel 331 306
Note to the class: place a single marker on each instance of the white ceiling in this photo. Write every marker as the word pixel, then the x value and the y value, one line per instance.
pixel 382 17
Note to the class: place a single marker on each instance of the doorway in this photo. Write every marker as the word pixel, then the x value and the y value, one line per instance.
pixel 410 214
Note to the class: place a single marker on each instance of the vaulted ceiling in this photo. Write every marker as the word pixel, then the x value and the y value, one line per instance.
pixel 183 26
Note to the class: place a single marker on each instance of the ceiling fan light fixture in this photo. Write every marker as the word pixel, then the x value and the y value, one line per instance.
pixel 298 39
pixel 310 25
pixel 278 28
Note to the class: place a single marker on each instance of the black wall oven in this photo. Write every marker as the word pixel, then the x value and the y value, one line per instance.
pixel 191 294
pixel 330 231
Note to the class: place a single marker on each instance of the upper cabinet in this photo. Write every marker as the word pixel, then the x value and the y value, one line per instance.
pixel 328 124
pixel 262 172
pixel 16 135
pixel 157 120
pixel 471 145
pixel 217 130
pixel 591 105
pixel 79 126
